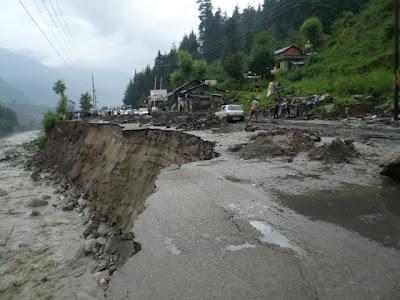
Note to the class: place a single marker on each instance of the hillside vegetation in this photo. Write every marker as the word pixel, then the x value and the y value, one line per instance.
pixel 8 120
pixel 353 50
pixel 356 58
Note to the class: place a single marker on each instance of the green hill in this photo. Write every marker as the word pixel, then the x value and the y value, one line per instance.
pixel 356 58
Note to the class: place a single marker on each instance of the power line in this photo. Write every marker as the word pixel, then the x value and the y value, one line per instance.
pixel 68 36
pixel 69 31
pixel 67 48
pixel 49 41
pixel 54 34
pixel 65 37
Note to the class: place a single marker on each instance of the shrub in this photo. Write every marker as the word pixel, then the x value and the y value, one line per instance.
pixel 295 75
pixel 40 142
pixel 62 106
pixel 49 121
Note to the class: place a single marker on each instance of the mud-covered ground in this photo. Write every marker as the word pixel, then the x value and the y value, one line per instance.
pixel 296 209
pixel 270 217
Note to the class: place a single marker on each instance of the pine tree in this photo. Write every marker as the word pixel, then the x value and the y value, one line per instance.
pixel 261 61
pixel 206 29
pixel 190 44
pixel 233 61
pixel 86 103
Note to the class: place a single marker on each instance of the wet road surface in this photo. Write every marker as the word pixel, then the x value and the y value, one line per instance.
pixel 236 229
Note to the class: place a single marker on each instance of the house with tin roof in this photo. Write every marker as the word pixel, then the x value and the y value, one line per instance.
pixel 287 59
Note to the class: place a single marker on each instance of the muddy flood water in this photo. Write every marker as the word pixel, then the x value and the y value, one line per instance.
pixel 373 212
pixel 39 244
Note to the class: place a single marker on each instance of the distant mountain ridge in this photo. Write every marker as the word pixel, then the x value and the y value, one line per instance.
pixel 9 92
pixel 32 82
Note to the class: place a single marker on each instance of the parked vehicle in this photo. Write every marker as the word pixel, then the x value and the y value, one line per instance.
pixel 142 112
pixel 231 113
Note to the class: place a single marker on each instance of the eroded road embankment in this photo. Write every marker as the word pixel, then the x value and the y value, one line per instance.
pixel 223 228
pixel 249 224
pixel 115 170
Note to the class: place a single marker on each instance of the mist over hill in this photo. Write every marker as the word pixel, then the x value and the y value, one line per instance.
pixel 25 80
pixel 11 93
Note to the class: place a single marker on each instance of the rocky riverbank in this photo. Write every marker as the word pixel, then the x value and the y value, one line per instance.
pixel 105 175
pixel 41 251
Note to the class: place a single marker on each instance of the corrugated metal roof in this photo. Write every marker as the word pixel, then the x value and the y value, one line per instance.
pixel 280 51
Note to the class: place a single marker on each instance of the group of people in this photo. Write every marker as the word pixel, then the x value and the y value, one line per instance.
pixel 280 109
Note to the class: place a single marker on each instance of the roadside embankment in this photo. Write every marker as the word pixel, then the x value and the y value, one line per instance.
pixel 115 170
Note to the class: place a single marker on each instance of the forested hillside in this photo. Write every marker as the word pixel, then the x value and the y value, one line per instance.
pixel 8 120
pixel 354 40
pixel 356 58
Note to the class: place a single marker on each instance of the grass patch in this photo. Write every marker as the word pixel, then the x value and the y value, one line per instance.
pixel 377 83
pixel 356 59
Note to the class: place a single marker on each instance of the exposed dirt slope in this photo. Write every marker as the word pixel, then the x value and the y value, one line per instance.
pixel 116 169
pixel 276 143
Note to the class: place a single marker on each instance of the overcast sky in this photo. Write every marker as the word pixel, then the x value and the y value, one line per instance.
pixel 115 35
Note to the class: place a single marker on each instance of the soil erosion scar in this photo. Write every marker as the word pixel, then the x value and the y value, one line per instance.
pixel 116 169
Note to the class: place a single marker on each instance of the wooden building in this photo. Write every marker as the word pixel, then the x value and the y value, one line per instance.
pixel 287 59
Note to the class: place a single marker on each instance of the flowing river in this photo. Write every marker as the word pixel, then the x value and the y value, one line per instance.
pixel 40 245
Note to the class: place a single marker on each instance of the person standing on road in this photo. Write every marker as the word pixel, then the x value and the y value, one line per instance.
pixel 255 106
pixel 276 110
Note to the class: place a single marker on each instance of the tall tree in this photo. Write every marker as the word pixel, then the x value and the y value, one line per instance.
pixel 233 61
pixel 62 105
pixel 86 103
pixel 59 87
pixel 190 44
pixel 261 61
pixel 189 69
pixel 210 31
pixel 312 31
pixel 232 45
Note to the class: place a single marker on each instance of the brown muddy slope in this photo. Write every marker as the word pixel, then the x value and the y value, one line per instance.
pixel 117 169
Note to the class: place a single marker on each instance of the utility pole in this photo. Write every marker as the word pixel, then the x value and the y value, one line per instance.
pixel 155 82
pixel 396 61
pixel 94 93
pixel 161 83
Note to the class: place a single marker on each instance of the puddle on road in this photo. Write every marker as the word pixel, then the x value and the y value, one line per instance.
pixel 272 236
pixel 373 212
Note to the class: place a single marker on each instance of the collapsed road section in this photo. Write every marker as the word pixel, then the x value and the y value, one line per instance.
pixel 115 171
pixel 273 214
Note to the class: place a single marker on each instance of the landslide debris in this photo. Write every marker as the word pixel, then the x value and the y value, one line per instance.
pixel 276 143
pixel 392 170
pixel 193 121
pixel 336 152
pixel 184 121
pixel 106 174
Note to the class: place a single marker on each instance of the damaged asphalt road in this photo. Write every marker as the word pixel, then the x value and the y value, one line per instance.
pixel 215 223
pixel 225 229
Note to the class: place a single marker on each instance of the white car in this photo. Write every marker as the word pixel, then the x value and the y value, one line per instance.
pixel 142 112
pixel 231 112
